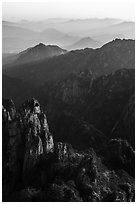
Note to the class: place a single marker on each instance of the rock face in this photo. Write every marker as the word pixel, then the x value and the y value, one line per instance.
pixel 11 133
pixel 39 141
pixel 28 135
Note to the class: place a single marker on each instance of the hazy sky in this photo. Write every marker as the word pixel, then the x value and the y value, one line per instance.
pixel 123 9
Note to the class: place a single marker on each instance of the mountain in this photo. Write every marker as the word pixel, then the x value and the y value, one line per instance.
pixel 64 24
pixel 84 107
pixel 35 168
pixel 14 31
pixel 63 32
pixel 86 42
pixel 121 29
pixel 110 57
pixel 16 38
pixel 39 52
pixel 52 35
pixel 36 53
pixel 83 27
pixel 106 37
pixel 125 28
pixel 100 101
pixel 73 137
pixel 91 85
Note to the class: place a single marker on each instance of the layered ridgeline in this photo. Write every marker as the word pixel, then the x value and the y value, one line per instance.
pixel 88 94
pixel 36 168
pixel 17 36
pixel 110 57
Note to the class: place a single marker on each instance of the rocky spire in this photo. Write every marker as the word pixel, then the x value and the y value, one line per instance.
pixel 27 129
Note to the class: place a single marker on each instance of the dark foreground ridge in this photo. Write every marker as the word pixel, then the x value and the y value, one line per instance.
pixel 37 169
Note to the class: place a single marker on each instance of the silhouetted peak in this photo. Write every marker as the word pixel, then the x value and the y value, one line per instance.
pixel 39 52
pixel 120 42
pixel 40 45
pixel 43 46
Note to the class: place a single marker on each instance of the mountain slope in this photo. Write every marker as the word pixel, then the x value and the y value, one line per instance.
pixel 99 101
pixel 110 57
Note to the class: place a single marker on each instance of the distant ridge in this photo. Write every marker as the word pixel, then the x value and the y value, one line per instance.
pixel 114 55
pixel 39 52
pixel 85 42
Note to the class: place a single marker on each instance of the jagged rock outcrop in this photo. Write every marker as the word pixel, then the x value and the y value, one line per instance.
pixel 11 147
pixel 28 136
pixel 10 131
pixel 38 138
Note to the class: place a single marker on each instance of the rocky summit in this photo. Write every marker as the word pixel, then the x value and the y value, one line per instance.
pixel 35 168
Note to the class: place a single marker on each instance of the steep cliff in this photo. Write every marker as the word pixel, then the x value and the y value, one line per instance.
pixel 27 137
